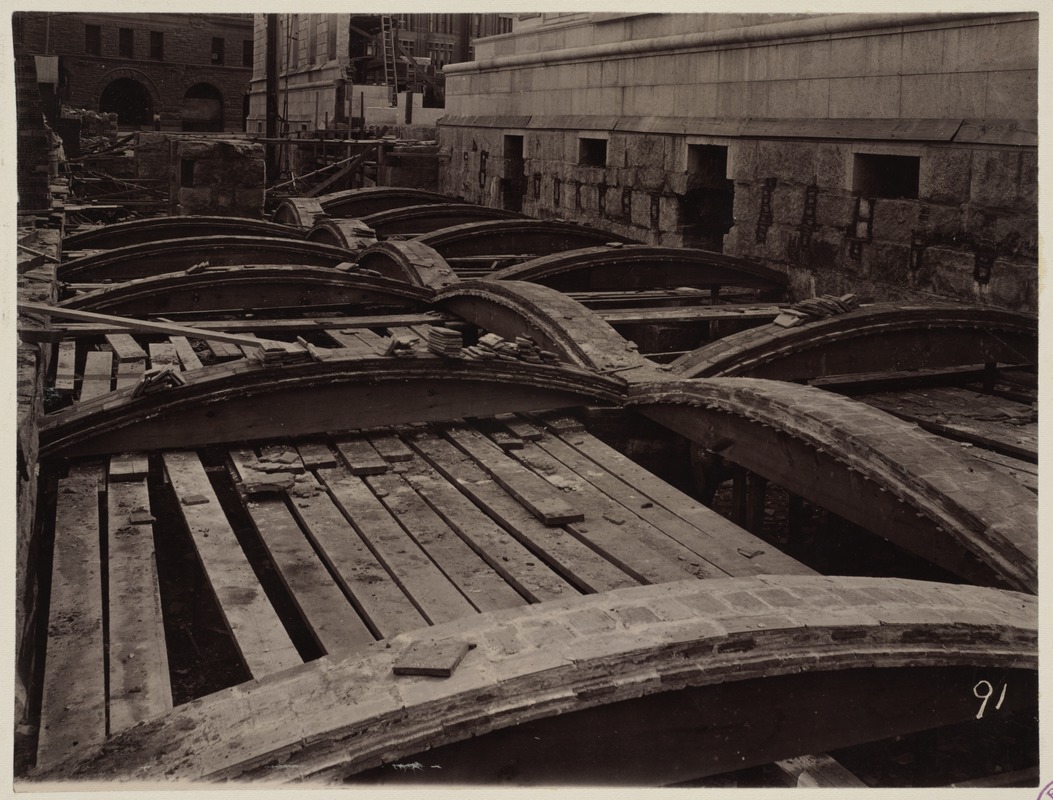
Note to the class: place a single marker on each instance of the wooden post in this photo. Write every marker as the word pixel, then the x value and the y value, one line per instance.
pixel 756 490
pixel 271 153
pixel 738 496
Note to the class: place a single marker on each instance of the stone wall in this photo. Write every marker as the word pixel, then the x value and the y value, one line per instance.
pixel 891 155
pixel 217 177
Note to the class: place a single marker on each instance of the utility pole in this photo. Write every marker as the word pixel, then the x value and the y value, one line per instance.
pixel 272 97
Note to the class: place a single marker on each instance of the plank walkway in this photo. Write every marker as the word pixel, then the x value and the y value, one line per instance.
pixel 365 548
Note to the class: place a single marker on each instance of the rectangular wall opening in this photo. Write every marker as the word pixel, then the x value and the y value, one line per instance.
pixel 707 208
pixel 513 182
pixel 592 152
pixel 894 177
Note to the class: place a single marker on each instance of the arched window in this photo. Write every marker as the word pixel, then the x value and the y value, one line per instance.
pixel 130 100
pixel 202 108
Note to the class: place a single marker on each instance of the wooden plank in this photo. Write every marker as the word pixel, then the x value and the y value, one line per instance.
pixel 633 316
pixel 540 497
pixel 129 467
pixel 125 347
pixel 390 447
pixel 437 659
pixel 73 704
pixel 519 427
pixel 199 328
pixel 316 454
pixel 713 549
pixel 140 687
pixel 332 619
pixel 762 558
pixel 483 587
pixel 538 560
pixel 66 368
pixel 187 357
pixel 98 372
pixel 360 456
pixel 431 591
pixel 163 354
pixel 129 373
pixel 353 344
pixel 373 592
pixel 127 324
pixel 819 772
pixel 258 632
pixel 225 351
pixel 621 536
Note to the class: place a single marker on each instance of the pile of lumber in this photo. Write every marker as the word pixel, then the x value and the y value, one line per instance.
pixel 444 341
pixel 155 380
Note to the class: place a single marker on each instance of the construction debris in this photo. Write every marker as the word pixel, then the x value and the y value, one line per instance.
pixel 444 341
pixel 816 308
pixel 154 380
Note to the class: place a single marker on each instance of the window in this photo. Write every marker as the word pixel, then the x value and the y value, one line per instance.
pixel 312 38
pixel 246 52
pixel 592 152
pixel 93 40
pixel 157 45
pixel 886 176
pixel 217 51
pixel 126 42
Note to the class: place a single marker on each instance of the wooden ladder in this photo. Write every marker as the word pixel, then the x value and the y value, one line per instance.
pixel 387 35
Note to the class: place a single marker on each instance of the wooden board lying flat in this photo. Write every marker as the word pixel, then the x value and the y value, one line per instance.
pixel 73 705
pixel 98 369
pixel 129 466
pixel 187 357
pixel 331 618
pixel 483 587
pixel 354 344
pixel 751 556
pixel 820 772
pixel 223 351
pixel 619 535
pixel 129 373
pixel 380 602
pixel 390 447
pixel 543 500
pixel 432 592
pixel 360 456
pixel 316 454
pixel 258 632
pixel 542 562
pixel 140 687
pixel 66 368
pixel 163 354
pixel 125 347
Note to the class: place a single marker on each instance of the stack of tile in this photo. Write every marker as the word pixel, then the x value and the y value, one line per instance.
pixel 444 341
pixel 401 346
pixel 271 352
pixel 154 380
pixel 816 308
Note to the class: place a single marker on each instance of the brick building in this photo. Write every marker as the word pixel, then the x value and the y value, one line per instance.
pixel 192 70
pixel 890 155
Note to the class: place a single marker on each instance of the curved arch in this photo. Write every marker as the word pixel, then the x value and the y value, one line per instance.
pixel 876 338
pixel 152 229
pixel 350 234
pixel 358 203
pixel 137 75
pixel 299 212
pixel 340 715
pixel 539 237
pixel 242 401
pixel 173 255
pixel 553 320
pixel 415 220
pixel 919 491
pixel 129 99
pixel 249 289
pixel 410 261
pixel 202 108
pixel 639 266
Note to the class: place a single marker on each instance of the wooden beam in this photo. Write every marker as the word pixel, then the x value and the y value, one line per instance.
pixel 142 326
pixel 98 374
pixel 73 705
pixel 125 347
pixel 818 772
pixel 66 370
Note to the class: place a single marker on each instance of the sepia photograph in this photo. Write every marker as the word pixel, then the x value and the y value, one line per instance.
pixel 626 399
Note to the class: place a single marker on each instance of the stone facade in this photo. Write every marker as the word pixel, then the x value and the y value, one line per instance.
pixel 893 156
pixel 188 68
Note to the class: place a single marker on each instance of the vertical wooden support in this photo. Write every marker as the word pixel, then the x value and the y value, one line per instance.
pixel 756 492
pixel 738 496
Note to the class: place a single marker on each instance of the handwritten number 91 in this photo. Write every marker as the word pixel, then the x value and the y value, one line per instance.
pixel 984 691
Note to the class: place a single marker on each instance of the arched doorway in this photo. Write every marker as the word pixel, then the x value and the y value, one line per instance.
pixel 130 100
pixel 202 108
